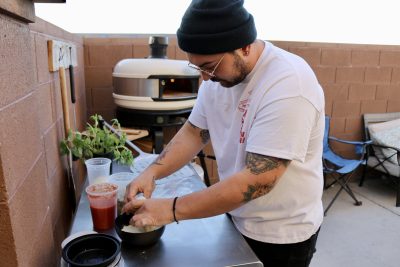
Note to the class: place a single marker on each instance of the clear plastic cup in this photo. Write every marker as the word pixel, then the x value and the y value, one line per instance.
pixel 98 169
pixel 122 179
pixel 103 204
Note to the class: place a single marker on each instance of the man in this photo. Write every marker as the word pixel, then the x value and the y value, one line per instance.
pixel 263 110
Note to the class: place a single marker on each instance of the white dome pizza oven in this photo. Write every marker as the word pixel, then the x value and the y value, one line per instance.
pixel 155 83
pixel 154 92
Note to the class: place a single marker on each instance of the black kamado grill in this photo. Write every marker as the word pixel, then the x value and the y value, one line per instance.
pixel 154 92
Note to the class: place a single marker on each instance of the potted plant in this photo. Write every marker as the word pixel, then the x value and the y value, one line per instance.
pixel 97 141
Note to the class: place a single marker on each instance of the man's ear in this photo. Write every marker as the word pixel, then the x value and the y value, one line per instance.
pixel 245 50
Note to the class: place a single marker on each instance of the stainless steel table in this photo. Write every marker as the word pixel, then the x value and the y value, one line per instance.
pixel 209 242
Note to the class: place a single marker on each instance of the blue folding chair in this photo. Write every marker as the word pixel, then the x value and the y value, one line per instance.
pixel 339 168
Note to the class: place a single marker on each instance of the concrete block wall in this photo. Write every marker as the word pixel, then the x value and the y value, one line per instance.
pixel 101 55
pixel 35 208
pixel 102 52
pixel 356 79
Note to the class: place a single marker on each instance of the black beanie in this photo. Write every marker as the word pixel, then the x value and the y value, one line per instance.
pixel 215 26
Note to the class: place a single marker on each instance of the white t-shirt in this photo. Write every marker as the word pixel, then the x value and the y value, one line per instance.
pixel 277 111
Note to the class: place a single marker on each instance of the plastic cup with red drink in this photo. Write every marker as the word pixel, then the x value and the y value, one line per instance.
pixel 103 204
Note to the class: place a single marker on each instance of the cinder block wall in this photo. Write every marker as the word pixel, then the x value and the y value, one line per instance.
pixel 356 79
pixel 102 52
pixel 35 210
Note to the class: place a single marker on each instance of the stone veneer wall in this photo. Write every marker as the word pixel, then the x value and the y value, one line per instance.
pixel 356 79
pixel 35 210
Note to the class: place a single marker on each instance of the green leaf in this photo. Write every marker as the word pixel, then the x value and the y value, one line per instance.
pixel 64 149
pixel 97 140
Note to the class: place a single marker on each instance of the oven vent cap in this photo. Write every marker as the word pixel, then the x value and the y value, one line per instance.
pixel 158 46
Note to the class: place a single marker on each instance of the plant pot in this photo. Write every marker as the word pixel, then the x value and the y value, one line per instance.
pixel 109 155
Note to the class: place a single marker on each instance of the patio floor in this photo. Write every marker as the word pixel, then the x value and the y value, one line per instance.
pixel 360 236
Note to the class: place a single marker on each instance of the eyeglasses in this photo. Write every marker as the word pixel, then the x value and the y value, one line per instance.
pixel 210 74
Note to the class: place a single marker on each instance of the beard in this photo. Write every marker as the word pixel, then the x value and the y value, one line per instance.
pixel 240 69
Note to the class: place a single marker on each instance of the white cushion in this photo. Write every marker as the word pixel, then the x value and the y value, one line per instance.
pixel 386 134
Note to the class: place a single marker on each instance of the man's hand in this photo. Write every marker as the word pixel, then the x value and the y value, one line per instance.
pixel 150 212
pixel 144 183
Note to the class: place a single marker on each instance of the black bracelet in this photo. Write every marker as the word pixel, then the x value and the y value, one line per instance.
pixel 173 209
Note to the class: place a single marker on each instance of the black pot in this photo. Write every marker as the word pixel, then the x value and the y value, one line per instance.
pixel 109 155
pixel 136 239
pixel 93 250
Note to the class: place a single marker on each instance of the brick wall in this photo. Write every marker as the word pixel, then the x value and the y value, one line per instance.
pixel 35 211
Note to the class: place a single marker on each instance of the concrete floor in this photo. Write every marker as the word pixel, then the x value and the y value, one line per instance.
pixel 360 236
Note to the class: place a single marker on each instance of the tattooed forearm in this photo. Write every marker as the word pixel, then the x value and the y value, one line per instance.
pixel 257 190
pixel 162 155
pixel 204 134
pixel 193 126
pixel 257 163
